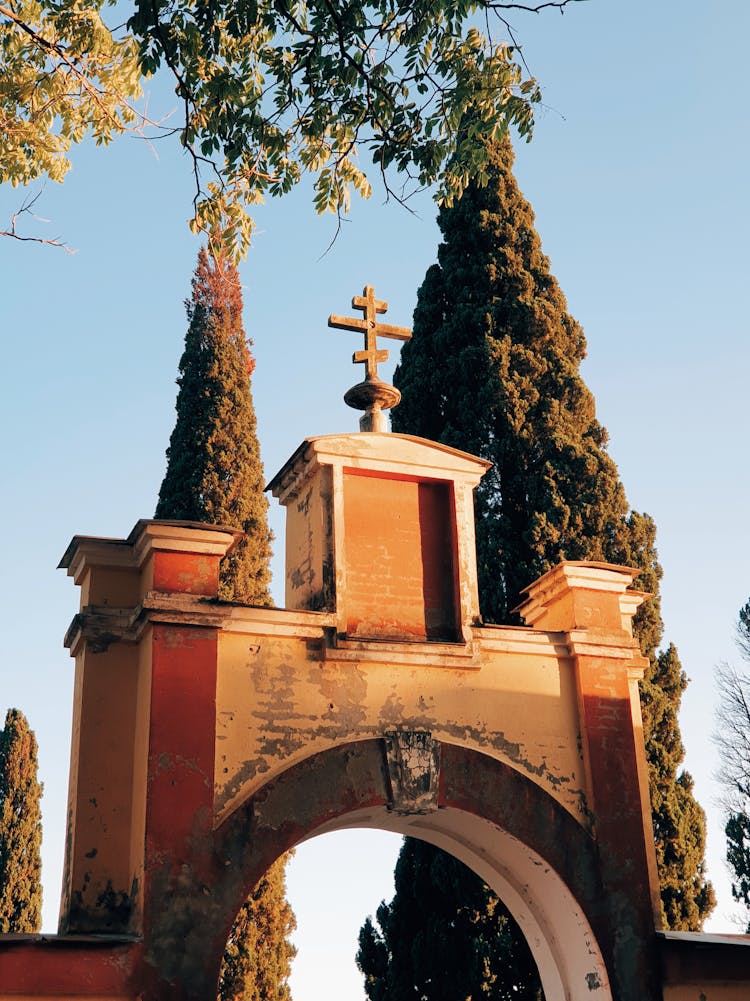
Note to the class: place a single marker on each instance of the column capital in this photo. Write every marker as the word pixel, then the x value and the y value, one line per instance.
pixel 147 536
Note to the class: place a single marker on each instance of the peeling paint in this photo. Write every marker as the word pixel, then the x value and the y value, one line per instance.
pixel 303 506
pixel 413 760
pixel 177 639
pixel 392 712
pixel 305 705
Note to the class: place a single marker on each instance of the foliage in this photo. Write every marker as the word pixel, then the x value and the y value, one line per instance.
pixel 257 961
pixel 733 740
pixel 737 831
pixel 679 822
pixel 20 827
pixel 415 950
pixel 63 76
pixel 214 473
pixel 269 90
pixel 493 368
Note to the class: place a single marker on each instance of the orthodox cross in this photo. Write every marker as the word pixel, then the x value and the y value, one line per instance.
pixel 370 327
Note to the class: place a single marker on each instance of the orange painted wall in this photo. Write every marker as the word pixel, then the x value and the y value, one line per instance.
pixel 185 572
pixel 400 564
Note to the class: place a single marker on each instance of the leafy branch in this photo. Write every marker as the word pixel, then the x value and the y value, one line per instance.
pixel 271 90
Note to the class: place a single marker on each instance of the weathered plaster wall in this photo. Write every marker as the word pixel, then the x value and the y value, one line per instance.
pixel 705 967
pixel 309 568
pixel 35 996
pixel 208 738
pixel 102 789
pixel 140 779
pixel 33 967
pixel 280 699
pixel 343 533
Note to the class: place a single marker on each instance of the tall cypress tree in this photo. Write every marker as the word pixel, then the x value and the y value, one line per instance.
pixel 20 827
pixel 214 474
pixel 679 821
pixel 258 958
pixel 418 948
pixel 493 368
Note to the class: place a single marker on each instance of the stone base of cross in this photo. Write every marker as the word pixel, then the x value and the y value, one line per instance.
pixel 374 397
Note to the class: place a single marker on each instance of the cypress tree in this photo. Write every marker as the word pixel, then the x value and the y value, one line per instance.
pixel 679 821
pixel 418 948
pixel 20 827
pixel 493 368
pixel 258 958
pixel 214 475
pixel 737 831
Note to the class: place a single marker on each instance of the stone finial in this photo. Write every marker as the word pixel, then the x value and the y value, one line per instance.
pixel 577 594
pixel 373 395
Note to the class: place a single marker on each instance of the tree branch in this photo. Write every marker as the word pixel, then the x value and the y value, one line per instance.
pixel 14 235
pixel 535 8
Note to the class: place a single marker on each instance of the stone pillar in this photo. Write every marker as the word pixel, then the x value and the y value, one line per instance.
pixel 178 870
pixel 590 603
pixel 138 684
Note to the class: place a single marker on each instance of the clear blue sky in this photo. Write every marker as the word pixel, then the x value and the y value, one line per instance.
pixel 638 176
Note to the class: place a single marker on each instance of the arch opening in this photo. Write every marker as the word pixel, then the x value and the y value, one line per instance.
pixel 544 879
pixel 559 936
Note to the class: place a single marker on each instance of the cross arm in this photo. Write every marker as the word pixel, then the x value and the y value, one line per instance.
pixel 348 322
pixel 397 333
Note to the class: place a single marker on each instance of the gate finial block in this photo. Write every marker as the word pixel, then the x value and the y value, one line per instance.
pixel 582 595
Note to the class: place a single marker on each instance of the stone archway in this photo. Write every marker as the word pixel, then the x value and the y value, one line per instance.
pixel 211 737
pixel 533 854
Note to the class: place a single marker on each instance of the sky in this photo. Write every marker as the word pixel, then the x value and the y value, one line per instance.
pixel 638 177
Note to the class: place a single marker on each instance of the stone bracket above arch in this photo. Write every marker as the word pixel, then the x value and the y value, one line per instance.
pixel 413 760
